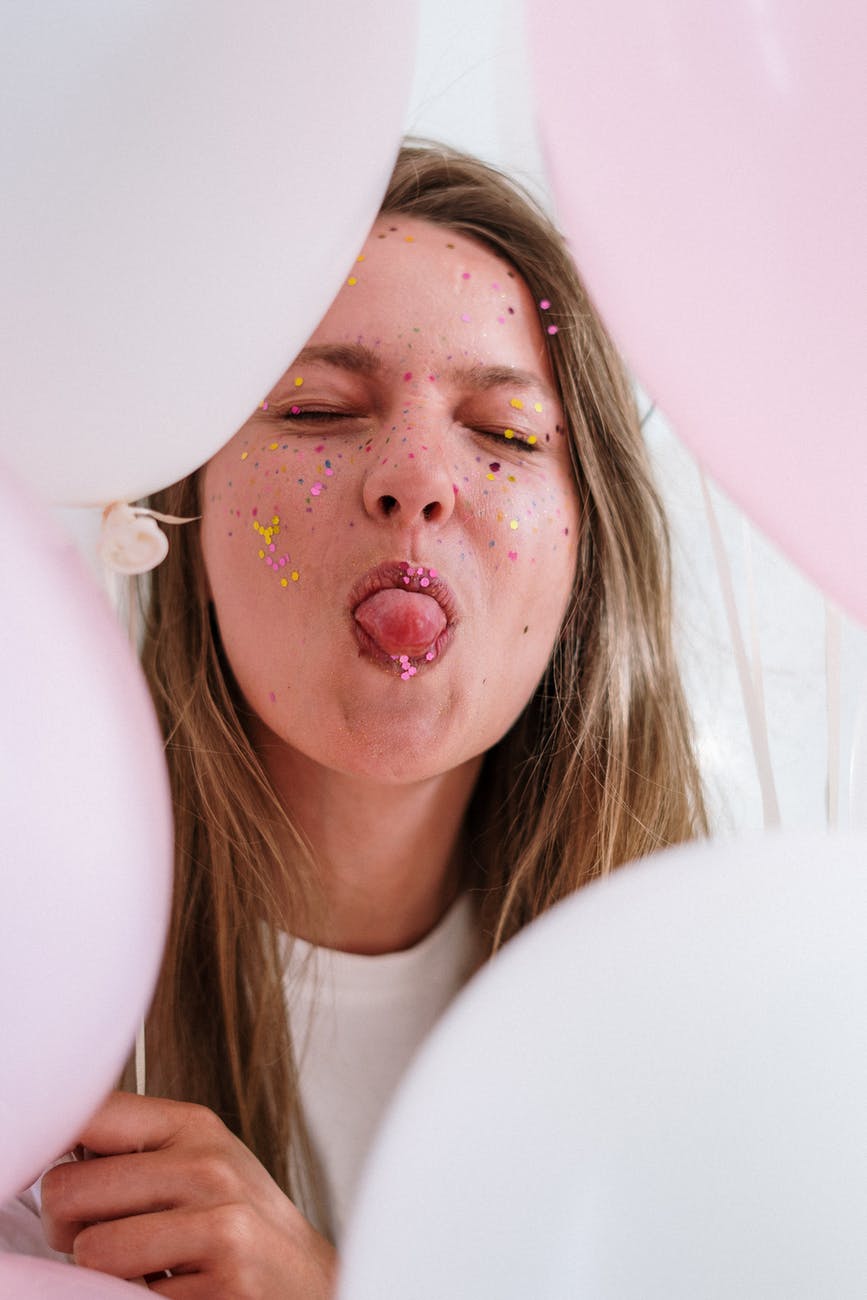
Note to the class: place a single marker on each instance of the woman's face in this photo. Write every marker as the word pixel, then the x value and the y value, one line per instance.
pixel 390 539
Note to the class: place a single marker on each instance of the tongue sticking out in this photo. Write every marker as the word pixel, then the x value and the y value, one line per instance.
pixel 401 622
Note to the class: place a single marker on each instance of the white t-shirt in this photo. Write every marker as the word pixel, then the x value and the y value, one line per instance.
pixel 356 1024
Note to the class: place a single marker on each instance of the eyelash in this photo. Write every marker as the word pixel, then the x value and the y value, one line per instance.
pixel 521 440
pixel 314 416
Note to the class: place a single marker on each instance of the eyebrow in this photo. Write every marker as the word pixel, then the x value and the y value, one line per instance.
pixel 362 360
pixel 355 357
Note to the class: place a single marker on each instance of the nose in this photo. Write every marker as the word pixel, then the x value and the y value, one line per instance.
pixel 410 486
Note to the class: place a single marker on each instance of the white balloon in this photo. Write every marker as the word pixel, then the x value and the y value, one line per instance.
pixel 656 1091
pixel 184 188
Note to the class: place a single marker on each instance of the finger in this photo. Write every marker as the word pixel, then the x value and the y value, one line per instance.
pixel 222 1239
pixel 109 1187
pixel 126 1122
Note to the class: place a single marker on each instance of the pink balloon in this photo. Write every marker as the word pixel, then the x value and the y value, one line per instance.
pixel 42 1279
pixel 710 169
pixel 86 843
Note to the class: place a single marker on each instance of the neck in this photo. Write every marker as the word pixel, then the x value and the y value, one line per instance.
pixel 389 855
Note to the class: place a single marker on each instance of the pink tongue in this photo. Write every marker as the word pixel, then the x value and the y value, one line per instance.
pixel 401 622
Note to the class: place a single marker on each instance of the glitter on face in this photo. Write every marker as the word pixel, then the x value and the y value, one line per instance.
pixel 298 382
pixel 517 403
pixel 352 280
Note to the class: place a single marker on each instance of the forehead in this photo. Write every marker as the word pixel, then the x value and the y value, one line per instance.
pixel 421 282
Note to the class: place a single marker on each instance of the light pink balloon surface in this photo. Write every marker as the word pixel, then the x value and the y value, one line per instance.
pixel 85 843
pixel 710 168
pixel 42 1279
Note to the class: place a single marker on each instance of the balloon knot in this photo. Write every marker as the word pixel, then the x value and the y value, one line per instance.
pixel 130 541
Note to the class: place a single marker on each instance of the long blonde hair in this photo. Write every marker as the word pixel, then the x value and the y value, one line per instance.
pixel 598 770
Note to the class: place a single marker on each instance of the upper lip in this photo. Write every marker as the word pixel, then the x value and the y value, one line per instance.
pixel 391 573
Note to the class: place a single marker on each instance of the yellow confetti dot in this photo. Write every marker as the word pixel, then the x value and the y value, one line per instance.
pixel 244 455
pixel 511 478
pixel 283 582
pixel 532 438
pixel 276 519
pixel 513 523
pixel 352 280
pixel 409 239
pixel 537 406
pixel 517 403
pixel 298 382
pixel 272 446
pixel 261 555
pixel 255 525
pixel 361 257
pixel 491 477
pixel 508 433
pixel 295 575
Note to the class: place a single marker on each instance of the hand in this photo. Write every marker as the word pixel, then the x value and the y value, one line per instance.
pixel 174 1189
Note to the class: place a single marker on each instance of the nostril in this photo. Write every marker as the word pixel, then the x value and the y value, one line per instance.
pixel 431 510
pixel 388 505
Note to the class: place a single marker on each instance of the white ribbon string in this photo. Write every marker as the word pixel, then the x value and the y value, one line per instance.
pixel 833 646
pixel 756 720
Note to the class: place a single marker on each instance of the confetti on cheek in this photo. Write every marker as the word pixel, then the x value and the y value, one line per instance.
pixel 264 406
pixel 298 382
pixel 537 407
pixel 517 403
pixel 513 524
pixel 513 555
pixel 244 455
pixel 272 697
pixel 351 281
pixel 407 376
pixel 316 489
pixel 465 275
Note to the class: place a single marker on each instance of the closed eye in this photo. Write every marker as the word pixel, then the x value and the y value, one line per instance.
pixel 301 415
pixel 511 438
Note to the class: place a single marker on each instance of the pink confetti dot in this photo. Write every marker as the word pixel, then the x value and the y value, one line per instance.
pixel 513 555
pixel 316 489
pixel 432 572
pixel 328 473
pixel 406 580
pixel 501 320
pixel 466 275
pixel 425 582
pixel 272 548
pixel 408 375
pixel 465 317
pixel 419 572
pixel 429 655
pixel 552 329
pixel 404 677
pixel 296 410
pixel 272 697
pixel 544 304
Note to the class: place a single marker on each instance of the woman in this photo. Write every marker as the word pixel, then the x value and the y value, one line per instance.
pixel 415 672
